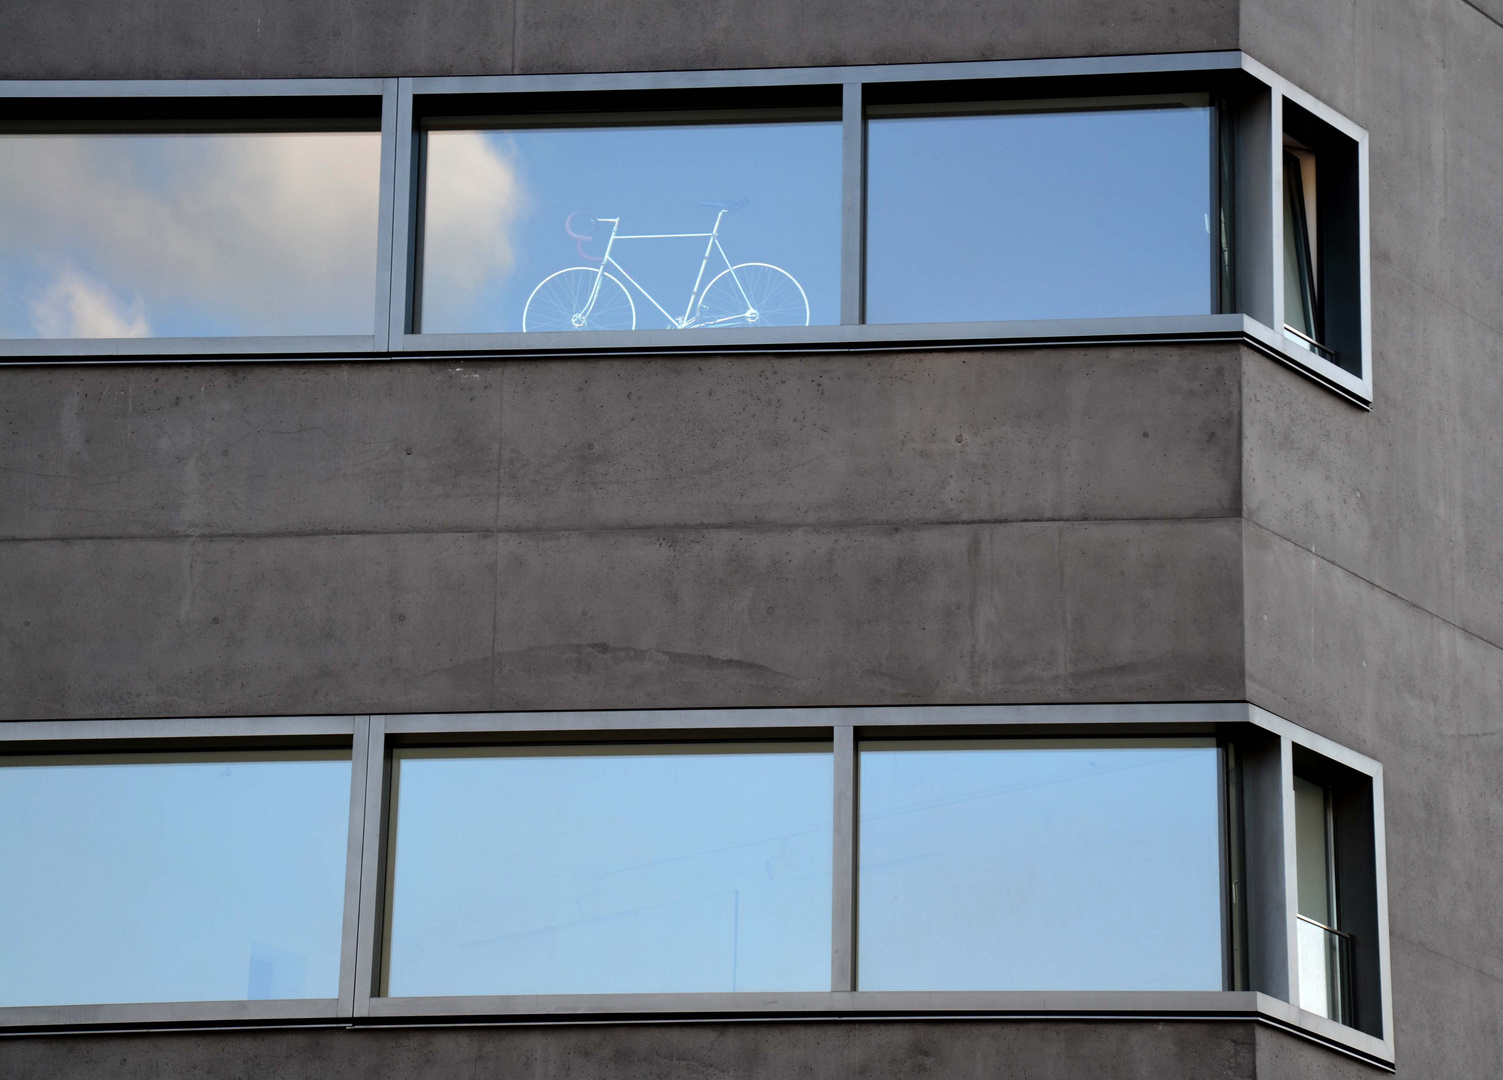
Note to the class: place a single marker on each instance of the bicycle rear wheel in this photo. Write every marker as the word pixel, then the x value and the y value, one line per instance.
pixel 753 294
pixel 560 301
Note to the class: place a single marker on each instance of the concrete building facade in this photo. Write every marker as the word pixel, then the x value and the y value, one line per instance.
pixel 1117 522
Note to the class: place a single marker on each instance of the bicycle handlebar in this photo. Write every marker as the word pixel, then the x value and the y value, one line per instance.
pixel 579 239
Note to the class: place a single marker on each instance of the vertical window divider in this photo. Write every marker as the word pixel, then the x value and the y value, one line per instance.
pixel 384 235
pixel 350 937
pixel 853 205
pixel 403 221
pixel 843 867
pixel 372 866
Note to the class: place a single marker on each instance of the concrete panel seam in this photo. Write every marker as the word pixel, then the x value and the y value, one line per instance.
pixel 1381 588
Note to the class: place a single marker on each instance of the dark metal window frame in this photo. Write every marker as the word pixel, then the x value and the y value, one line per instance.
pixel 1258 752
pixel 1246 194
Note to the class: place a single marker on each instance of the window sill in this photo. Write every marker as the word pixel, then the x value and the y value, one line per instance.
pixel 1169 329
pixel 1001 1005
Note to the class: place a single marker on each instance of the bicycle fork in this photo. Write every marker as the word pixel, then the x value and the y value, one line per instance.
pixel 704 262
pixel 581 316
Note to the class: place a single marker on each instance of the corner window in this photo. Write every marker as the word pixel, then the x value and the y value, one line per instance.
pixel 1323 962
pixel 1049 210
pixel 557 224
pixel 1321 256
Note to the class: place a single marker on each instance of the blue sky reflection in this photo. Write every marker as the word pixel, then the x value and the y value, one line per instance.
pixel 1059 215
pixel 1095 868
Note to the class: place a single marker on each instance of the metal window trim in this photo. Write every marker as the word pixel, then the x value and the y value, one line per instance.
pixel 122 734
pixel 1292 735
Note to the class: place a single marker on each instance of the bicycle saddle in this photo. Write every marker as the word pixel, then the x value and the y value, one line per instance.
pixel 730 206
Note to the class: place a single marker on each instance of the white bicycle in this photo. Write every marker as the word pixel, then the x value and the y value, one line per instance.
pixel 593 298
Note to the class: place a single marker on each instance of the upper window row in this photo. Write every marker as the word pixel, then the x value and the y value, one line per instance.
pixel 936 203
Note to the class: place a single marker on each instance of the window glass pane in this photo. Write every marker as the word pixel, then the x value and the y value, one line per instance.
pixel 1299 262
pixel 997 866
pixel 1057 215
pixel 505 211
pixel 172 878
pixel 636 870
pixel 188 234
pixel 1312 851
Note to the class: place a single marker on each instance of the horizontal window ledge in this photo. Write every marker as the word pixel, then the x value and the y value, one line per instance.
pixel 1168 329
pixel 1084 1005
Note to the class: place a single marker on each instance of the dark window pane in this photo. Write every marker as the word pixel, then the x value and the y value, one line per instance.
pixel 172 878
pixel 1036 867
pixel 506 210
pixel 188 235
pixel 1058 215
pixel 638 870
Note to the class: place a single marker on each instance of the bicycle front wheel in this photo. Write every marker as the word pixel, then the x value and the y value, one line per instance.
pixel 562 302
pixel 753 294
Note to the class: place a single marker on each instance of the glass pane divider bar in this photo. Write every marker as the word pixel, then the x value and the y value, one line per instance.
pixel 385 241
pixel 853 204
pixel 843 884
pixel 349 947
pixel 404 221
pixel 372 862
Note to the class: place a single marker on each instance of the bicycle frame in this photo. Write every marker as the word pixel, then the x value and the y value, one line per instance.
pixel 713 244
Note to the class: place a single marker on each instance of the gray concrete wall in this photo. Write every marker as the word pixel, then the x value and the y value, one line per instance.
pixel 197 39
pixel 1374 541
pixel 965 526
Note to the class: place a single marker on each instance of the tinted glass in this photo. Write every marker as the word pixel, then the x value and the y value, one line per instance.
pixel 647 870
pixel 1058 215
pixel 1312 851
pixel 505 210
pixel 1008 867
pixel 171 878
pixel 188 235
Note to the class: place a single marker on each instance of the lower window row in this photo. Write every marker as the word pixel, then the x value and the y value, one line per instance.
pixel 981 864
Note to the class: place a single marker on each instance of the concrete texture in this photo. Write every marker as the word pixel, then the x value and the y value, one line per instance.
pixel 194 39
pixel 191 450
pixel 942 1050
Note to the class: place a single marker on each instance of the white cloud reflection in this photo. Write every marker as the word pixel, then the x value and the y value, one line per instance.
pixel 208 234
pixel 473 200
pixel 76 306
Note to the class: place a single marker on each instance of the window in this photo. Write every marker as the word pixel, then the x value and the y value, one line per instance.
pixel 549 226
pixel 1321 261
pixel 898 860
pixel 1301 282
pixel 188 233
pixel 1065 210
pixel 1324 967
pixel 610 869
pixel 172 877
pixel 1136 198
pixel 997 865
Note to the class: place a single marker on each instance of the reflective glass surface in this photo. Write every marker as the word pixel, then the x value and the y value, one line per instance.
pixel 507 211
pixel 638 870
pixel 171 878
pixel 1016 866
pixel 1049 215
pixel 188 235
